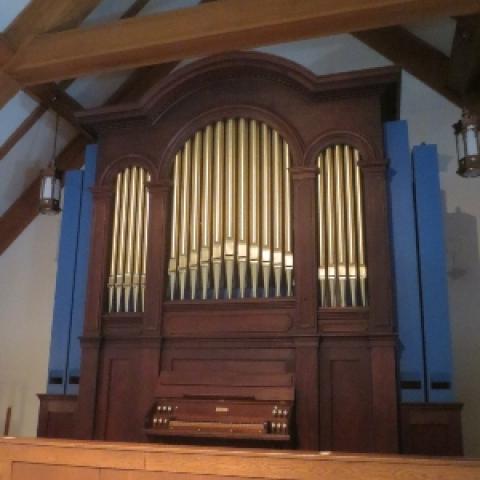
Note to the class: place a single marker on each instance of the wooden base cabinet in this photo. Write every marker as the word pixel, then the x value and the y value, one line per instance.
pixel 57 416
pixel 431 429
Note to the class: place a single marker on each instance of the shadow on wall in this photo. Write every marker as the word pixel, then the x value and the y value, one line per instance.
pixel 462 241
pixel 462 245
pixel 463 269
pixel 444 161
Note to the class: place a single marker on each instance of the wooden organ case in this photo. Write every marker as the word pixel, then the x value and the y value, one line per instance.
pixel 240 238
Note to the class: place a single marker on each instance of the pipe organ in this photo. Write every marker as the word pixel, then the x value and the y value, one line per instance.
pixel 342 270
pixel 231 227
pixel 235 209
pixel 128 266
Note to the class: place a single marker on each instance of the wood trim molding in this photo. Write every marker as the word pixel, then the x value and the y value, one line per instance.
pixel 226 67
pixel 59 459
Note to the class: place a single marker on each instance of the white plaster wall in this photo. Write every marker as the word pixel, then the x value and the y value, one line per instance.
pixel 27 269
pixel 27 284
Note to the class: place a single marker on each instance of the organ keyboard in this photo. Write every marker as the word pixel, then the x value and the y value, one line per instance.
pixel 226 409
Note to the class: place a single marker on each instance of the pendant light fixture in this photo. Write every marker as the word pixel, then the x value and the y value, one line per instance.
pixel 51 184
pixel 468 145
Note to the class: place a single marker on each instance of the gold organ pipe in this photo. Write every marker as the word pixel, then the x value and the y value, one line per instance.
pixel 137 264
pixel 146 220
pixel 230 167
pixel 195 213
pixel 288 219
pixel 254 204
pixel 122 238
pixel 277 212
pixel 362 267
pixel 266 208
pixel 350 222
pixel 184 217
pixel 206 208
pixel 242 240
pixel 218 184
pixel 330 222
pixel 116 221
pixel 172 263
pixel 128 278
pixel 322 251
pixel 340 224
pixel 231 200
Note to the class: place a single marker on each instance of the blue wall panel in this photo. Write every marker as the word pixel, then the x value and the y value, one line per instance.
pixel 433 274
pixel 405 263
pixel 81 273
pixel 65 284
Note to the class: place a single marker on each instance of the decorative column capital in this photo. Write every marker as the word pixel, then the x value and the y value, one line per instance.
pixel 162 186
pixel 102 192
pixel 303 173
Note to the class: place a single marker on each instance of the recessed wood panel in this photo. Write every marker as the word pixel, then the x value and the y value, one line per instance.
pixel 136 475
pixel 346 399
pixel 350 405
pixel 29 471
pixel 431 429
pixel 209 359
pixel 201 366
pixel 225 323
pixel 119 387
pixel 57 416
pixel 118 417
pixel 106 461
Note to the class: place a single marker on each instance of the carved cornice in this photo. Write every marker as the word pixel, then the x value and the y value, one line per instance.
pixel 229 68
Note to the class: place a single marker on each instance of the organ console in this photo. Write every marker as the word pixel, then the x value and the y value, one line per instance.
pixel 240 264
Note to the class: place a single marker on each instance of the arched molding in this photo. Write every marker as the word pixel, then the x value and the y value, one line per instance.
pixel 188 130
pixel 369 154
pixel 130 160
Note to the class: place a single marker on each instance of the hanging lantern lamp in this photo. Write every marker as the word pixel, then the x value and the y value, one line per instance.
pixel 468 145
pixel 51 184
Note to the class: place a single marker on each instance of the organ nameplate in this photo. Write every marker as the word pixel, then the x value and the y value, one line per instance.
pixel 222 409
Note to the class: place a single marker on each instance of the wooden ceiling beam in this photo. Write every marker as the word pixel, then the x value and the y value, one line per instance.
pixel 140 81
pixel 21 130
pixel 41 16
pixel 211 28
pixel 418 58
pixel 464 68
pixel 6 51
pixel 8 88
pixel 52 96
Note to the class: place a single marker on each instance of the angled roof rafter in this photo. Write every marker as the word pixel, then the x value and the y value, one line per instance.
pixel 419 59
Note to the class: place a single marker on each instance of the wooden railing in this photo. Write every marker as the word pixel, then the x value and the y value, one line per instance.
pixel 26 459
